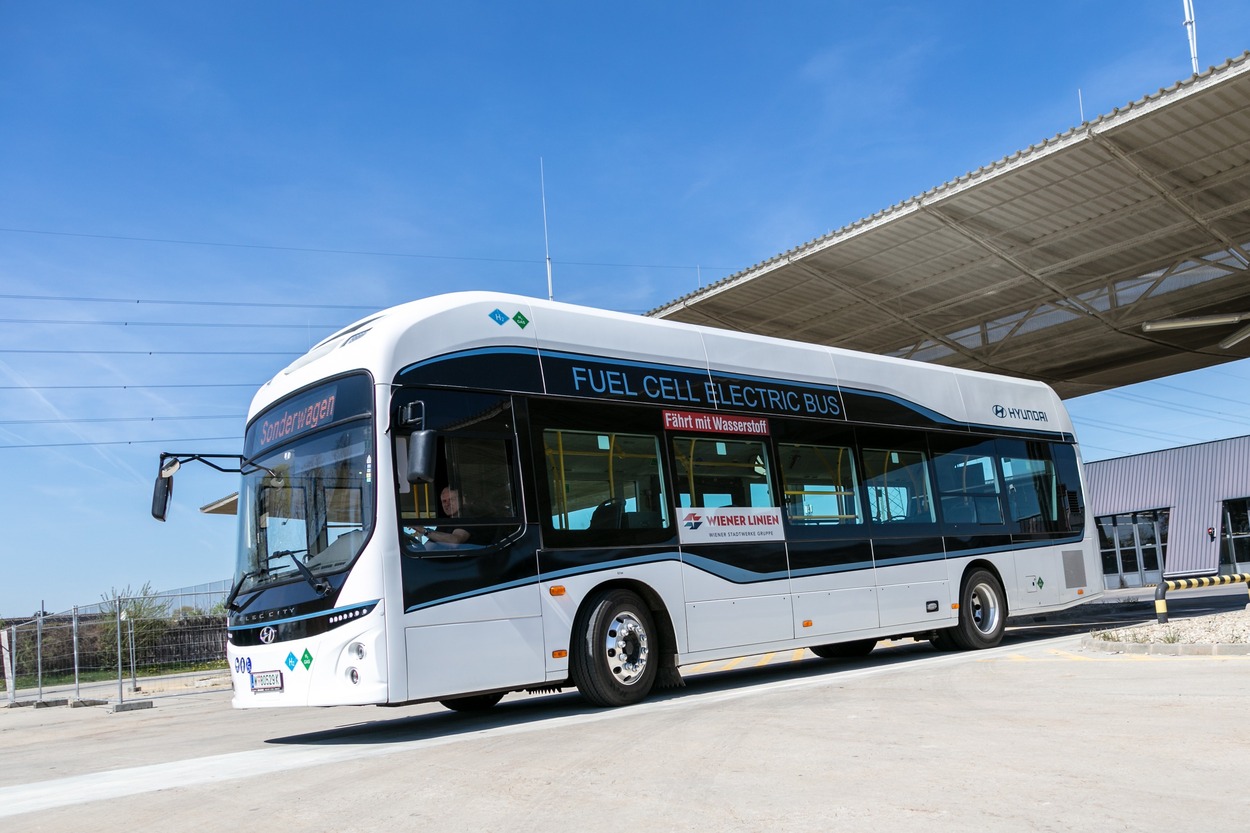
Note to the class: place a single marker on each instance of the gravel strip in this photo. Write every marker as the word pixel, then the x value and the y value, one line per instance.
pixel 1221 633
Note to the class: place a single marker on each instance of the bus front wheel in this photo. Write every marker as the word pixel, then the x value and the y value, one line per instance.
pixel 612 663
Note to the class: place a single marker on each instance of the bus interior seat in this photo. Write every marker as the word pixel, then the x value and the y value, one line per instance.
pixel 641 520
pixel 607 515
pixel 959 510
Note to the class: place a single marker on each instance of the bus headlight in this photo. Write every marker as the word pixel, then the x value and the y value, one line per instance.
pixel 354 676
pixel 357 649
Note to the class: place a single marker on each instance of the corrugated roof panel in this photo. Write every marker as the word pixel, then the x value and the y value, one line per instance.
pixel 1010 247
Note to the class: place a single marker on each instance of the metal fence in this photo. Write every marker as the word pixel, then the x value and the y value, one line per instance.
pixel 117 648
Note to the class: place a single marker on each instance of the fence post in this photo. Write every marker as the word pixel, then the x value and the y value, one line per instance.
pixel 39 651
pixel 6 659
pixel 77 689
pixel 121 696
pixel 130 632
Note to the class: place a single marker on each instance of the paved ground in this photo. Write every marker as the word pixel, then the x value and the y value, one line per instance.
pixel 1035 735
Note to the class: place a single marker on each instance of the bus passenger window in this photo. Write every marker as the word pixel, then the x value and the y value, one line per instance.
pixel 604 484
pixel 898 486
pixel 714 473
pixel 1042 499
pixel 821 487
pixel 968 485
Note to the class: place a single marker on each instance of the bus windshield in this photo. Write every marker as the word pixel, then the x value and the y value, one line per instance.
pixel 312 500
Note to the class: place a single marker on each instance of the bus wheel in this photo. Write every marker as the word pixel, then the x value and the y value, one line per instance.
pixel 844 650
pixel 473 703
pixel 611 662
pixel 982 612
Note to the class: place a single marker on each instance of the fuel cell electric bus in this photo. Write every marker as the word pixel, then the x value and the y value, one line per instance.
pixel 476 493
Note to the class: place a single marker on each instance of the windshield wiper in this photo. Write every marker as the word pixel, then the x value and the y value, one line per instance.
pixel 234 592
pixel 319 586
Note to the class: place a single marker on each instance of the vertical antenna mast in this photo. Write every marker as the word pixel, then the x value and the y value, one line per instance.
pixel 1193 33
pixel 542 179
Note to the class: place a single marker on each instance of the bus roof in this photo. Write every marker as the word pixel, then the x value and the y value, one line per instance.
pixel 479 322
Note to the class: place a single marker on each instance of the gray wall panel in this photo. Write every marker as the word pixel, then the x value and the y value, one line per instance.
pixel 1193 482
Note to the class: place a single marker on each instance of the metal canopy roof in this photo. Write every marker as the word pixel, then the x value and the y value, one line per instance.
pixel 1044 264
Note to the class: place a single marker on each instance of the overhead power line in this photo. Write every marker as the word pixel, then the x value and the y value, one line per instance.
pixel 190 303
pixel 158 352
pixel 125 442
pixel 357 252
pixel 65 420
pixel 213 325
pixel 128 387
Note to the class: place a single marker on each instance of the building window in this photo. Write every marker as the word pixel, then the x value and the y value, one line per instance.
pixel 1235 540
pixel 1133 546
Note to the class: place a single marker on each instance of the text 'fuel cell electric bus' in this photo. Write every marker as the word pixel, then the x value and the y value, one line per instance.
pixel 476 493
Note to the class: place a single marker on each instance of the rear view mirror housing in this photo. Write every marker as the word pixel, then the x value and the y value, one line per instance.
pixel 422 456
pixel 163 489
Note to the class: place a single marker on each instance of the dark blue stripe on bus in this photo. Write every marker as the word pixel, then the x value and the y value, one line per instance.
pixel 564 564
pixel 441 575
pixel 810 558
pixel 519 369
pixel 511 369
pixel 298 627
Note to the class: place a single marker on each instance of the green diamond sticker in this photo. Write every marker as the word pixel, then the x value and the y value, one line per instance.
pixel 520 320
pixel 1040 583
pixel 306 659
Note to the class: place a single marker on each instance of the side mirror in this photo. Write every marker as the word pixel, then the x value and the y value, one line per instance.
pixel 161 493
pixel 422 456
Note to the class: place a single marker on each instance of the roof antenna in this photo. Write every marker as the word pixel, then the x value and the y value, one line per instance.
pixel 1193 33
pixel 1080 103
pixel 542 179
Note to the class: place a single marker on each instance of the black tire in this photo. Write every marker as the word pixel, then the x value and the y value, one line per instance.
pixel 982 612
pixel 613 661
pixel 944 640
pixel 844 650
pixel 473 703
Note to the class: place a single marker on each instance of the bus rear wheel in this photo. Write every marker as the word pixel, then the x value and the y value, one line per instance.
pixel 612 662
pixel 982 612
pixel 844 650
pixel 472 703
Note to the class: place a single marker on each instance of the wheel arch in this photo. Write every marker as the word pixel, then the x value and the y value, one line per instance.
pixel 655 604
pixel 988 566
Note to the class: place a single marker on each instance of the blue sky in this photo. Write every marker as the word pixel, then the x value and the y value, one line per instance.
pixel 192 194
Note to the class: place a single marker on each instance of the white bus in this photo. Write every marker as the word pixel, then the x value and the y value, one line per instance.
pixel 477 493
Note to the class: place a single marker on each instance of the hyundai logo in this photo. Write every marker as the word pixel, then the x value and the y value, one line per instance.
pixel 268 634
pixel 1000 412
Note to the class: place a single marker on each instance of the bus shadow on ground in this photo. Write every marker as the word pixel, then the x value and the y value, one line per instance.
pixel 518 710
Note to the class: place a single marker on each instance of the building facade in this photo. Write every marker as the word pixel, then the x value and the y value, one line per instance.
pixel 1172 514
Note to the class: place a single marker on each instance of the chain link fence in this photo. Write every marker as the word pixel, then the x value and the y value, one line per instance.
pixel 131 645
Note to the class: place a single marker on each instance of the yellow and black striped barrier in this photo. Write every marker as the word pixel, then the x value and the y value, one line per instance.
pixel 1161 602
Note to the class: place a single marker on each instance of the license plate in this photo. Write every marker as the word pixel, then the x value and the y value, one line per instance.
pixel 267 681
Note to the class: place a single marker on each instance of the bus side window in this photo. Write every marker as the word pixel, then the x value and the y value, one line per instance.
pixel 968 484
pixel 1043 488
pixel 820 483
pixel 472 493
pixel 604 486
pixel 713 473
pixel 898 486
